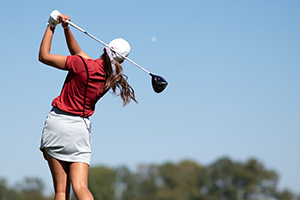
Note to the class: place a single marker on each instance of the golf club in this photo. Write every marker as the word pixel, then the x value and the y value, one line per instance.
pixel 158 82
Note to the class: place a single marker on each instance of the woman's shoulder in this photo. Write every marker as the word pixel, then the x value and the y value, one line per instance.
pixel 75 63
pixel 99 63
pixel 74 58
pixel 99 60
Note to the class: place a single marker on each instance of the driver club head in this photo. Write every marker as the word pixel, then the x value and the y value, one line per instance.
pixel 158 83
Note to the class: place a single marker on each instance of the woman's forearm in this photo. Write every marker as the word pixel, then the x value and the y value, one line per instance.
pixel 45 46
pixel 73 46
pixel 57 61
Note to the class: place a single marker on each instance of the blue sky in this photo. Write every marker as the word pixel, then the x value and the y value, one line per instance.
pixel 233 70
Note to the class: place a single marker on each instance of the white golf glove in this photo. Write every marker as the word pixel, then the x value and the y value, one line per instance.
pixel 53 19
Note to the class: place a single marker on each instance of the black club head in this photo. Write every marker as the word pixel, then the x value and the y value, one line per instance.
pixel 158 83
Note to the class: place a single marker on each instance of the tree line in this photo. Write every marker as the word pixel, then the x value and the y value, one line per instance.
pixel 187 180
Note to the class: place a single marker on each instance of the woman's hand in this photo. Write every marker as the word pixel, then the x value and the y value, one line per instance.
pixel 63 19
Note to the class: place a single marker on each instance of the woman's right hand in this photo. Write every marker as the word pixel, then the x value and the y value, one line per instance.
pixel 63 19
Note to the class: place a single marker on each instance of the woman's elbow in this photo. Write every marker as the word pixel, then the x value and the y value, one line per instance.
pixel 42 58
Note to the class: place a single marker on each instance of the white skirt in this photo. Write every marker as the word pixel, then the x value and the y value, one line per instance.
pixel 67 137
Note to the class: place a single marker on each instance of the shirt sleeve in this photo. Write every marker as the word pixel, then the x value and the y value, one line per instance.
pixel 75 64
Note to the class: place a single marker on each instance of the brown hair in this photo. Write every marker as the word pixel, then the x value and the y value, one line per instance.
pixel 119 80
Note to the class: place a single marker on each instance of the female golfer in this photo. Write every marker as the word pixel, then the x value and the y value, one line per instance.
pixel 66 139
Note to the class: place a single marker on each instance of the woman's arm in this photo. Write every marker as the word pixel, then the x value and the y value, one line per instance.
pixel 57 61
pixel 73 46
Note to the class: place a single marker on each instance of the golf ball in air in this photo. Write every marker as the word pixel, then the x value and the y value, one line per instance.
pixel 154 38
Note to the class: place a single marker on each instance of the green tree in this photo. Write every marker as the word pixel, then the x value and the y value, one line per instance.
pixel 102 182
pixel 220 182
pixel 286 195
pixel 146 182
pixel 6 193
pixel 30 188
pixel 181 182
pixel 140 185
pixel 224 179
pixel 127 184
pixel 233 180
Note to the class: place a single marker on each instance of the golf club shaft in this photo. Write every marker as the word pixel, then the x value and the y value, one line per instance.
pixel 85 32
